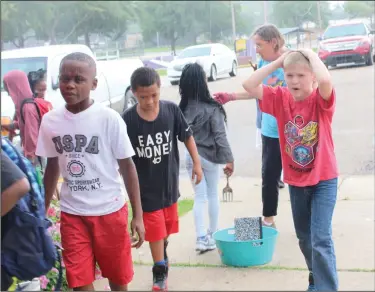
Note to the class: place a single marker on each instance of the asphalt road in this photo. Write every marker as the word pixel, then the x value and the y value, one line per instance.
pixel 353 123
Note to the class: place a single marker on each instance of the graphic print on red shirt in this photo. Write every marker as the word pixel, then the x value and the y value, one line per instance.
pixel 301 140
pixel 306 142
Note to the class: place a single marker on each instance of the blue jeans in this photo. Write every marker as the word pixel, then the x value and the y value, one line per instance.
pixel 312 209
pixel 207 189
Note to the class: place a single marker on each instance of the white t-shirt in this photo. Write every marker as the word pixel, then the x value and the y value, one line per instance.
pixel 88 145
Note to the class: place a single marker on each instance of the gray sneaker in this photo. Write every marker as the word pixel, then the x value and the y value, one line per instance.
pixel 211 243
pixel 205 243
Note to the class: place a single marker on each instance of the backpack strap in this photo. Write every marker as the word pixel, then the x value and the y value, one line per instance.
pixel 29 100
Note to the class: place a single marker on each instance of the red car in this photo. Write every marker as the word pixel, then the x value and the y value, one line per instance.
pixel 347 43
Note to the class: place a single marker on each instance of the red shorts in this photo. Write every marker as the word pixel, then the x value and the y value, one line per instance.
pixel 103 239
pixel 161 223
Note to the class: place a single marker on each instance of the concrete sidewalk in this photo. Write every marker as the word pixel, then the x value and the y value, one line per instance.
pixel 353 225
pixel 353 231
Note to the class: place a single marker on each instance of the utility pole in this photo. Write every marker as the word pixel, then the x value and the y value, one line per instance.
pixel 319 17
pixel 233 21
pixel 265 11
pixel 209 3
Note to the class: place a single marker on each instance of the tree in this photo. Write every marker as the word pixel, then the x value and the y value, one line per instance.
pixel 16 22
pixel 52 19
pixel 60 21
pixel 109 18
pixel 338 12
pixel 360 9
pixel 172 20
pixel 294 13
pixel 247 18
pixel 221 19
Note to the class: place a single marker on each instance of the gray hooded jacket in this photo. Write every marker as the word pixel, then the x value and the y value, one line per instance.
pixel 207 122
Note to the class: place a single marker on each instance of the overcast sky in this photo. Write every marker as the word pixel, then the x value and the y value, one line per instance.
pixel 332 3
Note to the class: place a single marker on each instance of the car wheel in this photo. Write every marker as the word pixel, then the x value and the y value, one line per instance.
pixel 175 82
pixel 369 59
pixel 130 99
pixel 213 75
pixel 234 69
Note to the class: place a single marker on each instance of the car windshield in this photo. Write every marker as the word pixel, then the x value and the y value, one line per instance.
pixel 344 31
pixel 195 52
pixel 24 64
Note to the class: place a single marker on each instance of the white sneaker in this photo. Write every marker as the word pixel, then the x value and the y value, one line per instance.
pixel 211 243
pixel 200 244
pixel 205 243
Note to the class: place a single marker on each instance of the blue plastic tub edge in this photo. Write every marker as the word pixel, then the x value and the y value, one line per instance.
pixel 244 253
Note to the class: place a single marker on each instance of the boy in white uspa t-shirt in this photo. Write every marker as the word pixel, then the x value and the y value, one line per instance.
pixel 88 143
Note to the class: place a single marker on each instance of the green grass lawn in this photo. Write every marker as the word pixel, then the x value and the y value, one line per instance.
pixel 162 49
pixel 162 72
pixel 184 206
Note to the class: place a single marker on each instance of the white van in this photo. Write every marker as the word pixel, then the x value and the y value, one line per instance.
pixel 113 76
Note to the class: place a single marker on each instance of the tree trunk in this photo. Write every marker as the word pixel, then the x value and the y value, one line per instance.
pixel 74 39
pixel 21 42
pixel 52 37
pixel 87 39
pixel 195 39
pixel 173 46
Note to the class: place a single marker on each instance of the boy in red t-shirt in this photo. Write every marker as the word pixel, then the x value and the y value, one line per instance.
pixel 304 117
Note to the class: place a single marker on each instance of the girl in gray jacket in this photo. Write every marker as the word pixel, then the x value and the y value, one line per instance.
pixel 207 119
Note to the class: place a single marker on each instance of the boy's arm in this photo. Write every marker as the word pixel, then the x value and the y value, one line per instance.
pixel 323 83
pixel 14 184
pixel 11 195
pixel 253 85
pixel 193 151
pixel 321 72
pixel 50 180
pixel 46 148
pixel 122 150
pixel 130 177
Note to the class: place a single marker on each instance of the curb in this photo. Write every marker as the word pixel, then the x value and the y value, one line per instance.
pixel 260 268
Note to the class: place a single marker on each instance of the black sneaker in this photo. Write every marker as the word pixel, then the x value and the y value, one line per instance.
pixel 311 283
pixel 159 278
